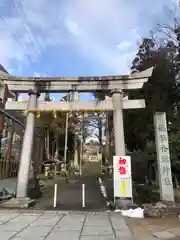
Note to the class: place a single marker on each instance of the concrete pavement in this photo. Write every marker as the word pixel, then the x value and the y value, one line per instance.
pixel 51 225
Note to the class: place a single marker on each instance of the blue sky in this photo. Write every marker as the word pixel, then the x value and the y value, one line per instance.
pixel 75 37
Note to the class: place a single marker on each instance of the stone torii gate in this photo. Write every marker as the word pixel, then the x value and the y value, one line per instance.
pixel 35 86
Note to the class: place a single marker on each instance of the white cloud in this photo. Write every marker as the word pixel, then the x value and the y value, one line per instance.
pixel 104 31
pixel 124 45
pixel 27 31
pixel 102 26
pixel 72 27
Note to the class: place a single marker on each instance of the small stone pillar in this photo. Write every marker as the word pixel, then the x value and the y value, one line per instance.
pixel 47 168
pixel 163 158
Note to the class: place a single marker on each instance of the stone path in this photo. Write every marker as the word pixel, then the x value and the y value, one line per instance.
pixel 65 226
pixel 70 196
pixel 52 225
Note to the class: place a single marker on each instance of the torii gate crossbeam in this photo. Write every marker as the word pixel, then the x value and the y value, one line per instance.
pixel 80 84
pixel 89 106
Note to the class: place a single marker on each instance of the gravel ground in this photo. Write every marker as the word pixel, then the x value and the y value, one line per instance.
pixel 152 225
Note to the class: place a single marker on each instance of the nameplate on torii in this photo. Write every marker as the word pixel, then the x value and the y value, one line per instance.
pixel 106 105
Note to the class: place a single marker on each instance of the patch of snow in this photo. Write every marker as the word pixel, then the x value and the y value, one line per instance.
pixel 117 210
pixel 133 213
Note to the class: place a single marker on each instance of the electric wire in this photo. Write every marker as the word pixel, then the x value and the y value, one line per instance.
pixel 20 10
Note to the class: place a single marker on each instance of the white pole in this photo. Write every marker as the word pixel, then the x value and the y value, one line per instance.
pixel 55 195
pixel 83 195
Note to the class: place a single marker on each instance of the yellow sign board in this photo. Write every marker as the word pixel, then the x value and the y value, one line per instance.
pixel 123 188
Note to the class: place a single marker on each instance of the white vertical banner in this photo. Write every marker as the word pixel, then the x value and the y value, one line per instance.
pixel 163 157
pixel 122 176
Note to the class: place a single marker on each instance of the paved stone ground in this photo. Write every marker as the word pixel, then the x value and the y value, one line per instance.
pixel 52 225
pixel 65 226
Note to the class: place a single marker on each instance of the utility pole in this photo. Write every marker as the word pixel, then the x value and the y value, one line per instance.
pixel 75 97
pixel 66 138
pixel 81 144
pixel 66 98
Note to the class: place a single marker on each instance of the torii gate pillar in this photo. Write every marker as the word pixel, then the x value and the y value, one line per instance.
pixel 27 148
pixel 118 122
pixel 119 139
pixel 26 172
